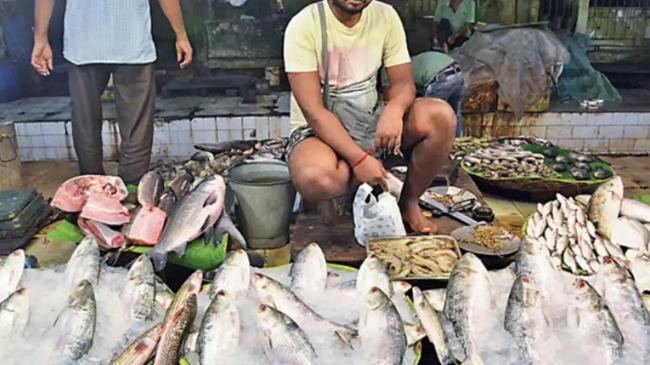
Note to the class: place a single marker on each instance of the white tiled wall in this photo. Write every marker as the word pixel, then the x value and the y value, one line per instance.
pixel 175 139
pixel 595 132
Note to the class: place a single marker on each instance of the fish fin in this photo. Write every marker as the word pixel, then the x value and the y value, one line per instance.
pixel 180 249
pixel 158 258
pixel 226 225
pixel 346 336
pixel 206 225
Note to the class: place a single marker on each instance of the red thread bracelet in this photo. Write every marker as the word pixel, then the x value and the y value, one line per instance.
pixel 360 160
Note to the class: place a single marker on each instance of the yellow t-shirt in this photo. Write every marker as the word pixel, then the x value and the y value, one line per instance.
pixel 355 54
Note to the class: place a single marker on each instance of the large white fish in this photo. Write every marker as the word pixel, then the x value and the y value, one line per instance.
pixel 11 271
pixel 468 300
pixel 194 214
pixel 140 289
pixel 79 320
pixel 636 210
pixel 220 329
pixel 83 264
pixel 308 272
pixel 589 317
pixel 233 275
pixel 430 320
pixel 274 293
pixel 605 206
pixel 286 342
pixel 381 330
pixel 525 318
pixel 630 233
pixel 626 305
pixel 372 273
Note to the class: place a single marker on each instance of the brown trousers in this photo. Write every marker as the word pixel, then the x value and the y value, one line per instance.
pixel 135 94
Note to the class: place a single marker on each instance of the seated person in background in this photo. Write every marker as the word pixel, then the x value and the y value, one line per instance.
pixel 330 150
pixel 461 15
pixel 437 76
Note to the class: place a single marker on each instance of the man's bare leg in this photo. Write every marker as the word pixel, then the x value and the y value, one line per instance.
pixel 317 172
pixel 429 136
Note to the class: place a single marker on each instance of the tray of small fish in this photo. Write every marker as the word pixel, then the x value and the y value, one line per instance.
pixel 417 257
pixel 534 168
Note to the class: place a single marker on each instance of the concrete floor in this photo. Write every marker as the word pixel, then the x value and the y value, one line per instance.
pixel 635 171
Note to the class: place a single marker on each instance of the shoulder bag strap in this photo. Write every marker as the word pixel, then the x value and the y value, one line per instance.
pixel 324 52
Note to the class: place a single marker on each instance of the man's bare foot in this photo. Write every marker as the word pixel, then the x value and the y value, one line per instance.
pixel 412 215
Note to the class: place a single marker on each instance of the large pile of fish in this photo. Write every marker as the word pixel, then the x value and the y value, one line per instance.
pixel 305 314
pixel 165 217
pixel 578 239
pixel 506 161
pixel 219 158
pixel 80 313
pixel 535 314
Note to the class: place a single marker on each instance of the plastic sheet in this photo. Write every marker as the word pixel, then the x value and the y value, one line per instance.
pixel 525 62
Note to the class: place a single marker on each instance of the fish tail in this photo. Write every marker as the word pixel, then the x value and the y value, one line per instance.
pixel 158 258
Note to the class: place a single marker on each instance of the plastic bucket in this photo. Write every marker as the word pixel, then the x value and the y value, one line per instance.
pixel 264 197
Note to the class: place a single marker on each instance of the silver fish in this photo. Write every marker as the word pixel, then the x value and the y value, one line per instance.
pixel 372 273
pixel 176 330
pixel 636 210
pixel 626 304
pixel 599 247
pixel 468 299
pixel 286 342
pixel 14 313
pixel 614 251
pixel 140 289
pixel 140 350
pixel 11 271
pixel 562 244
pixel 605 205
pixel 381 330
pixel 220 329
pixel 430 320
pixel 588 316
pixel 78 322
pixel 194 214
pixel 525 318
pixel 534 261
pixel 274 293
pixel 436 298
pixel 83 264
pixel 308 272
pixel 150 189
pixel 233 275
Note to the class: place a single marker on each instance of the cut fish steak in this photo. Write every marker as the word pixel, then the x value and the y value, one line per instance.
pixel 106 237
pixel 105 209
pixel 147 226
pixel 71 196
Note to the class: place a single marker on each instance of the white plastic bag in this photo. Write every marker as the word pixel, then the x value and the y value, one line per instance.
pixel 376 217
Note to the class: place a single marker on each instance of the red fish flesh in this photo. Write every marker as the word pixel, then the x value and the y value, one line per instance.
pixel 72 194
pixel 106 237
pixel 147 226
pixel 104 209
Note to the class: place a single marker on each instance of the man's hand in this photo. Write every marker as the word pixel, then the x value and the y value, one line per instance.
pixel 42 57
pixel 371 171
pixel 183 51
pixel 389 129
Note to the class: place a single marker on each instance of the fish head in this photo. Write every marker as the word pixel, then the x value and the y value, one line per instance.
pixel 237 258
pixel 586 295
pixel 17 255
pixel 418 297
pixel 401 286
pixel 613 270
pixel 225 297
pixel 268 317
pixel 194 282
pixel 264 287
pixel 140 267
pixel 376 298
pixel 79 295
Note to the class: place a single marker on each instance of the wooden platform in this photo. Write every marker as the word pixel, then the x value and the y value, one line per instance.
pixel 337 240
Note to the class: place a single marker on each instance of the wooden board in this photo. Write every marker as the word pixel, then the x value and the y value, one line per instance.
pixel 337 240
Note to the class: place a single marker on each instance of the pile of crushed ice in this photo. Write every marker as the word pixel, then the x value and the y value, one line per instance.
pixel 47 297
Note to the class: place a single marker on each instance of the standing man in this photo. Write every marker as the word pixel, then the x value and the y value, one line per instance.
pixel 337 117
pixel 461 16
pixel 104 37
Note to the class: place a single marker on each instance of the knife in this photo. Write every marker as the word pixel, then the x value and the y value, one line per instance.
pixel 431 203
